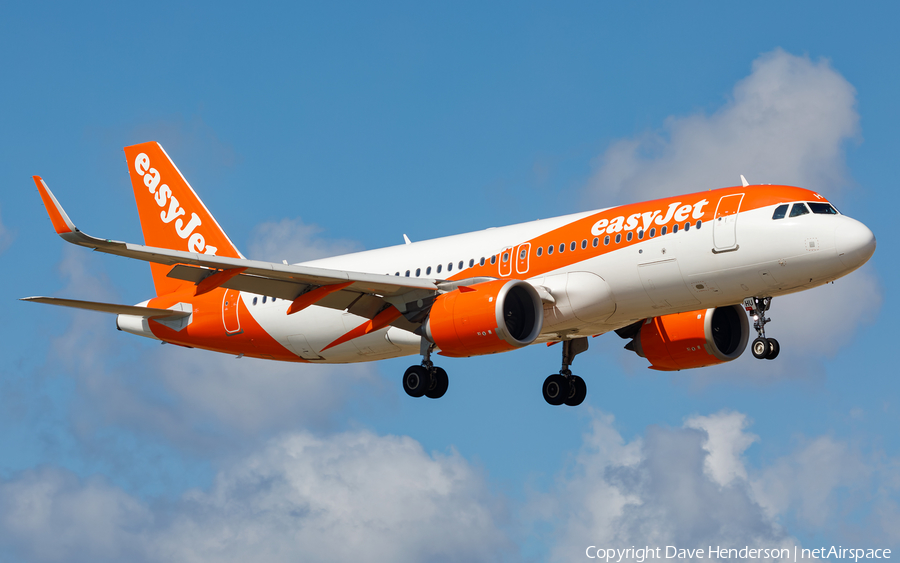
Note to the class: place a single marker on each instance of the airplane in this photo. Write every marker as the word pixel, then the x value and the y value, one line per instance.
pixel 673 276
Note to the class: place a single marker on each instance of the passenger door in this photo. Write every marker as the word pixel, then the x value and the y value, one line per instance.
pixel 725 223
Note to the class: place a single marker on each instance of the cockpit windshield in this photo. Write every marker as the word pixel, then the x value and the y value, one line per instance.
pixel 798 209
pixel 822 208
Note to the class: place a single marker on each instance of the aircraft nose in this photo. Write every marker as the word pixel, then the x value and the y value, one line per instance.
pixel 854 243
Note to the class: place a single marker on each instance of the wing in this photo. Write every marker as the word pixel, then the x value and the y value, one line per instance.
pixel 359 293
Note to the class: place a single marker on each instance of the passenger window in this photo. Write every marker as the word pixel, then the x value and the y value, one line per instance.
pixel 821 208
pixel 584 244
pixel 606 240
pixel 549 250
pixel 687 226
pixel 505 257
pixel 699 223
pixel 540 250
pixel 798 209
pixel 653 232
pixel 439 268
pixel 481 262
pixel 460 267
pixel 596 242
pixel 780 212
pixel 418 271
pixel 523 254
pixel 674 228
pixel 407 275
pixel 428 271
pixel 471 262
pixel 450 267
pixel 641 235
pixel 618 238
pixel 629 236
pixel 572 246
pixel 562 247
pixel 662 231
pixel 494 259
pixel 254 300
pixel 264 299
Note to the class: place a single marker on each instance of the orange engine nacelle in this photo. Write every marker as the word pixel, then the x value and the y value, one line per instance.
pixel 485 318
pixel 692 340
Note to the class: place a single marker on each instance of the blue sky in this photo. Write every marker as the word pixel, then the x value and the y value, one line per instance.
pixel 314 129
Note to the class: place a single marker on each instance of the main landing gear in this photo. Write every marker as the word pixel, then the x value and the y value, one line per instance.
pixel 560 388
pixel 762 347
pixel 426 379
pixel 563 387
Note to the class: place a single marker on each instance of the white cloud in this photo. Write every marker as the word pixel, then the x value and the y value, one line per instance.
pixel 301 498
pixel 786 123
pixel 807 480
pixel 49 514
pixel 692 486
pixel 659 490
pixel 726 441
pixel 295 241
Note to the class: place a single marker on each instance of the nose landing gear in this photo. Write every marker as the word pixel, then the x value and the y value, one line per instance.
pixel 563 387
pixel 762 347
pixel 427 379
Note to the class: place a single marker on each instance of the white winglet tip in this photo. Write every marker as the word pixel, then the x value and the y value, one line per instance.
pixel 744 181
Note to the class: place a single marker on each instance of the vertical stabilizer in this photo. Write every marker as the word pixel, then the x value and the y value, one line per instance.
pixel 172 216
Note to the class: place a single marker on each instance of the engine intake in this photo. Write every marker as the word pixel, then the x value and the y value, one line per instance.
pixel 692 340
pixel 485 318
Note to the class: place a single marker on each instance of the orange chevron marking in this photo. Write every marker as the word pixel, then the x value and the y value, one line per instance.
pixel 380 321
pixel 216 280
pixel 312 297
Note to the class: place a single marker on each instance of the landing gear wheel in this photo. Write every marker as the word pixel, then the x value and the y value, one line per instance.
pixel 577 391
pixel 774 348
pixel 416 381
pixel 439 384
pixel 760 348
pixel 556 389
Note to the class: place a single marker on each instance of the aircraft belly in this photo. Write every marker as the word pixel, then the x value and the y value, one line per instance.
pixel 308 332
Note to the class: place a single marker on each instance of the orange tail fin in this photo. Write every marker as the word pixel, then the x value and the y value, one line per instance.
pixel 172 216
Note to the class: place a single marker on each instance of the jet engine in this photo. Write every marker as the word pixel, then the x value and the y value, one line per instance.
pixel 690 340
pixel 485 318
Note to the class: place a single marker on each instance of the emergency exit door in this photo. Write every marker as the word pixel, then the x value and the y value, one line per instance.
pixel 230 304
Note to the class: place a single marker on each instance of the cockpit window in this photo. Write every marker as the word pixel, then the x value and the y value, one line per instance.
pixel 822 208
pixel 780 211
pixel 799 209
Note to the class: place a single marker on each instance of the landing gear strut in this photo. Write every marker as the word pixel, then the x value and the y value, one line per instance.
pixel 762 347
pixel 426 379
pixel 563 387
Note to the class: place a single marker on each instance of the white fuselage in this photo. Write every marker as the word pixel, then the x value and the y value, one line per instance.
pixel 718 264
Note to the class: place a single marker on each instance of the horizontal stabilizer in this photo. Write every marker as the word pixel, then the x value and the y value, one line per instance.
pixel 148 312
